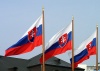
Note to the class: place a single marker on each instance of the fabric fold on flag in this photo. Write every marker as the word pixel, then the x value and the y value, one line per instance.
pixel 59 43
pixel 85 50
pixel 31 39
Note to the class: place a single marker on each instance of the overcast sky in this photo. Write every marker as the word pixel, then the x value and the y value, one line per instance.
pixel 16 16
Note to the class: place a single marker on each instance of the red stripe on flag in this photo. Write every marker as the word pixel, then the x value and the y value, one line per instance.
pixel 24 48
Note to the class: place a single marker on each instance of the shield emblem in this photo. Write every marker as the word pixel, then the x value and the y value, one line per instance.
pixel 63 40
pixel 32 34
pixel 89 46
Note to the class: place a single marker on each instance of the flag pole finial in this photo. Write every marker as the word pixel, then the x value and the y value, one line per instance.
pixel 97 25
pixel 42 7
pixel 72 17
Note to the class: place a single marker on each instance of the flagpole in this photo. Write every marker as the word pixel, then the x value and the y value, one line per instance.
pixel 97 48
pixel 72 43
pixel 43 40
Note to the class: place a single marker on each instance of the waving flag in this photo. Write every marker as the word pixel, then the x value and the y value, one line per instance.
pixel 85 50
pixel 59 43
pixel 31 39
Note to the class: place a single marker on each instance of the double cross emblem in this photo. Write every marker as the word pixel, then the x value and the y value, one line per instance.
pixel 89 46
pixel 32 34
pixel 63 40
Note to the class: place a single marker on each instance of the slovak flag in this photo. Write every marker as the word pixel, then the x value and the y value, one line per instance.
pixel 85 50
pixel 59 43
pixel 31 39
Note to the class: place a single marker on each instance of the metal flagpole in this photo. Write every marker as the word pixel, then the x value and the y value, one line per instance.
pixel 97 48
pixel 72 43
pixel 43 40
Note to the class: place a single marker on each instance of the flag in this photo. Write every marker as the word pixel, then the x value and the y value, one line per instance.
pixel 85 50
pixel 59 43
pixel 31 39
